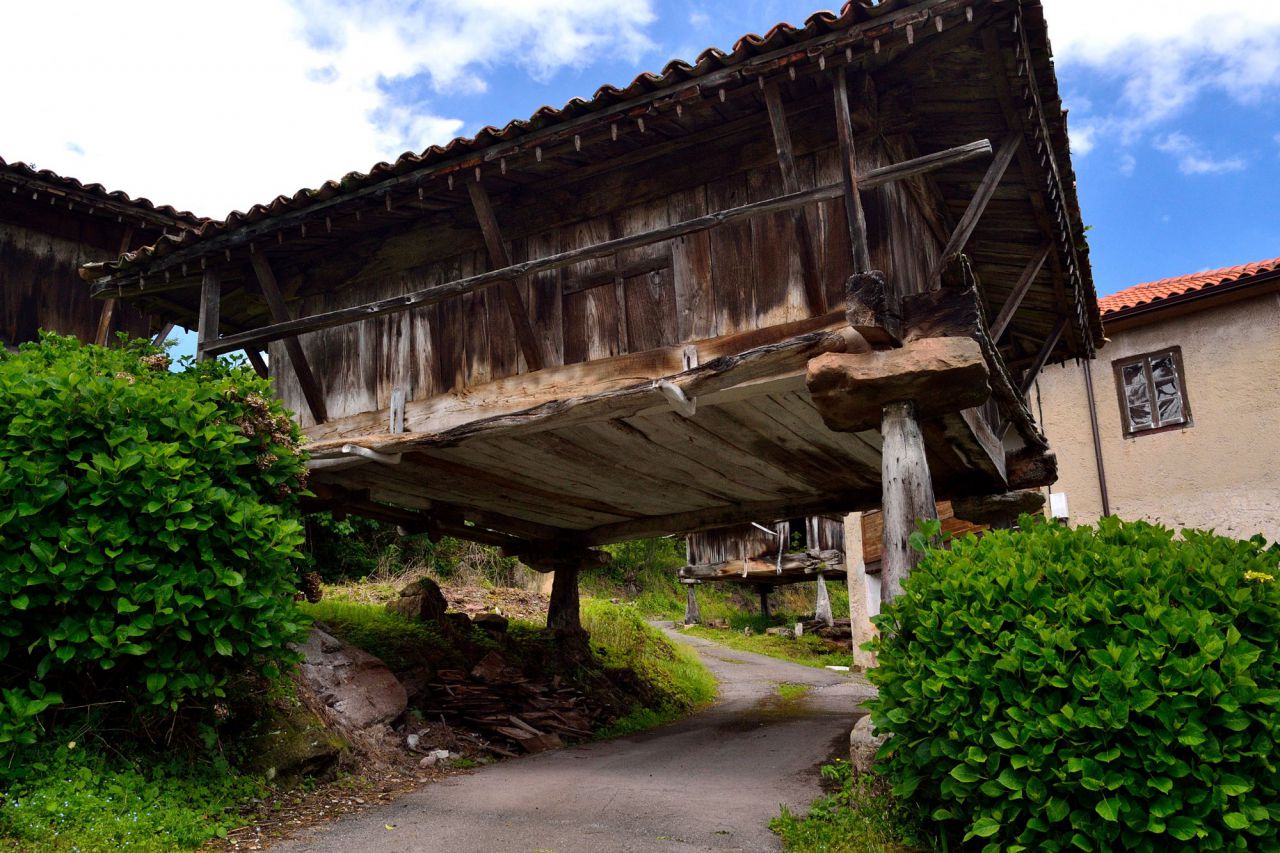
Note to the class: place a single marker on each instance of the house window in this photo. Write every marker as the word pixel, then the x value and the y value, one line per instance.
pixel 1153 392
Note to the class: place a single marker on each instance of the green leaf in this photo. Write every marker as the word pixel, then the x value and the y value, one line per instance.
pixel 964 773
pixel 1108 810
pixel 1236 820
pixel 983 827
pixel 223 647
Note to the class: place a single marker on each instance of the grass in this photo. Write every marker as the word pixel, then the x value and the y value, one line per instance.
pixel 791 692
pixel 858 816
pixel 679 680
pixel 401 643
pixel 808 650
pixel 86 798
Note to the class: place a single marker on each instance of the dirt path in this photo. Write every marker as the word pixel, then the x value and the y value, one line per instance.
pixel 710 782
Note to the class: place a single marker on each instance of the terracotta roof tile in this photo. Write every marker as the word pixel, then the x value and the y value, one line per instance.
pixel 1167 288
pixel 17 170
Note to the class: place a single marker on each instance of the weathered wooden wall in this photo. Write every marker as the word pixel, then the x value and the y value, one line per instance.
pixel 746 541
pixel 734 278
pixel 40 285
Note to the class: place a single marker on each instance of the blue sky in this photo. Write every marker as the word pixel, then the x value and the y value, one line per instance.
pixel 1174 115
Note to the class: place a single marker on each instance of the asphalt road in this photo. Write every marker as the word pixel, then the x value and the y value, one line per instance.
pixel 709 782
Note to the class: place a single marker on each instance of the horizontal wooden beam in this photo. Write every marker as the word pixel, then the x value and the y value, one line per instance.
pixel 765 362
pixel 792 568
pixel 440 292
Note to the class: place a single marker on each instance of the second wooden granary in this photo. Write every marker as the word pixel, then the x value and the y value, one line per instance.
pixel 654 311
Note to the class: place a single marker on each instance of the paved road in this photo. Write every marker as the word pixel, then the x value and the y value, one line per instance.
pixel 709 782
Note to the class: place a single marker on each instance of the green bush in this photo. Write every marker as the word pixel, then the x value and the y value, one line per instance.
pixel 1102 689
pixel 147 530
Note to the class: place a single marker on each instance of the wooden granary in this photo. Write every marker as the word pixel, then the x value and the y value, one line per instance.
pixel 811 275
pixel 49 226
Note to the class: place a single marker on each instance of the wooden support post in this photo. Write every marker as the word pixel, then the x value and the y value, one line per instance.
pixel 210 312
pixel 801 225
pixel 280 314
pixel 1020 289
pixel 509 289
pixel 1029 378
pixel 692 615
pixel 764 601
pixel 978 204
pixel 259 366
pixel 849 169
pixel 564 611
pixel 860 627
pixel 109 306
pixel 908 495
pixel 822 608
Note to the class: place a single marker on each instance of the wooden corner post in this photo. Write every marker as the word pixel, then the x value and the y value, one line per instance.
pixel 210 311
pixel 907 494
pixel 564 613
pixel 692 615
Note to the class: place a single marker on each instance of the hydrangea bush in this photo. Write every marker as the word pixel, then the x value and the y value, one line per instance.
pixel 1100 689
pixel 148 528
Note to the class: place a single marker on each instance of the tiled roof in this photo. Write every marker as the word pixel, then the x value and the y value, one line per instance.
pixel 1183 285
pixel 19 173
pixel 677 71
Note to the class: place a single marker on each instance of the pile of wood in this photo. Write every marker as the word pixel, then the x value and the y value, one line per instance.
pixel 514 711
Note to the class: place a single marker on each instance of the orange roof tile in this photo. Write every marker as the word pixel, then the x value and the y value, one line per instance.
pixel 1167 288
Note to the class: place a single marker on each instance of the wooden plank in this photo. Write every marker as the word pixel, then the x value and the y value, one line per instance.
pixel 1025 280
pixel 978 204
pixel 280 314
pixel 695 293
pixel 163 334
pixel 802 227
pixel 438 293
pixel 109 306
pixel 210 313
pixel 907 495
pixel 854 216
pixel 732 264
pixel 510 289
pixel 1029 378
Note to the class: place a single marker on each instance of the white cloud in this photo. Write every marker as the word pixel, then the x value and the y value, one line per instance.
pixel 1127 164
pixel 220 105
pixel 1192 160
pixel 1165 54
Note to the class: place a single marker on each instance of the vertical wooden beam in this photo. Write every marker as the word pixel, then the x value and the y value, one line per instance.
pixel 855 568
pixel 978 204
pixel 764 601
pixel 109 307
pixel 692 615
pixel 210 312
pixel 280 314
pixel 1029 378
pixel 564 609
pixel 800 222
pixel 849 171
pixel 822 608
pixel 907 497
pixel 499 258
pixel 1020 289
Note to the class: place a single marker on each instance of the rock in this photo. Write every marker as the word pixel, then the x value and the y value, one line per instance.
pixel 428 761
pixel 416 681
pixel 864 743
pixel 780 631
pixel 354 686
pixel 411 741
pixel 941 375
pixel 458 623
pixel 490 669
pixel 421 600
pixel 288 743
pixel 494 623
